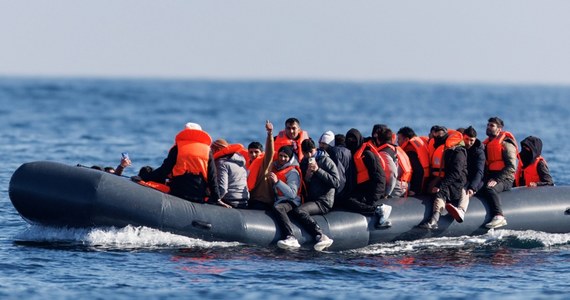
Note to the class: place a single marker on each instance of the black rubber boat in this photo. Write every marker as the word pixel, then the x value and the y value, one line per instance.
pixel 56 194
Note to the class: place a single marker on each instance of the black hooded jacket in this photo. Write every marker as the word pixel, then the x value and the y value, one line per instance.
pixel 475 166
pixel 528 157
pixel 372 190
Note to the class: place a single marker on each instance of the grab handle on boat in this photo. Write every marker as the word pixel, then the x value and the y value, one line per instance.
pixel 202 224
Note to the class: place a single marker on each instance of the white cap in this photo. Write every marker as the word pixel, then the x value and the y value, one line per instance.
pixel 191 125
pixel 327 138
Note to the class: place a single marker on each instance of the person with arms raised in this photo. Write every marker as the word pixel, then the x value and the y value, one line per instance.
pixel 260 186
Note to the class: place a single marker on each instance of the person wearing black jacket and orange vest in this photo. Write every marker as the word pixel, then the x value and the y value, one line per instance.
pixel 532 169
pixel 453 176
pixel 500 167
pixel 190 167
pixel 367 197
pixel 321 178
pixel 417 152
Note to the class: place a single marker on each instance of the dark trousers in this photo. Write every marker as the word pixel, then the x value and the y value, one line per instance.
pixel 360 205
pixel 281 210
pixel 491 194
pixel 303 214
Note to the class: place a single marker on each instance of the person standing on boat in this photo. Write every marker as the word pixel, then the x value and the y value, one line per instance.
pixel 231 173
pixel 321 178
pixel 286 177
pixel 500 167
pixel 259 183
pixel 367 197
pixel 342 158
pixel 190 167
pixel 292 136
pixel 532 169
pixel 452 174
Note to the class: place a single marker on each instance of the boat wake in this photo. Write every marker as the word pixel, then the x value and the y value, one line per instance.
pixel 528 239
pixel 126 238
pixel 144 238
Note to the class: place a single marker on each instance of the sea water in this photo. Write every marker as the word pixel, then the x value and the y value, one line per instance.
pixel 91 121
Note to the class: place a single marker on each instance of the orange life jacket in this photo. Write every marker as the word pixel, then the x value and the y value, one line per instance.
pixel 403 161
pixel 418 145
pixel 282 140
pixel 231 149
pixel 155 185
pixel 193 153
pixel 454 138
pixel 361 170
pixel 253 171
pixel 530 173
pixel 494 151
pixel 282 175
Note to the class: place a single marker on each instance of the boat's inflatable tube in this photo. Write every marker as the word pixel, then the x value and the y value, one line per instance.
pixel 55 194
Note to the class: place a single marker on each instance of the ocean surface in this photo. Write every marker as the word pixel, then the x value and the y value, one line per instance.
pixel 91 121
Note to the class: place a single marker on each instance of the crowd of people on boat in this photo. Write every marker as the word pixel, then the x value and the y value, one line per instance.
pixel 298 177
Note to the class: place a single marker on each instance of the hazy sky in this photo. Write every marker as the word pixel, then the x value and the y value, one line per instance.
pixel 459 41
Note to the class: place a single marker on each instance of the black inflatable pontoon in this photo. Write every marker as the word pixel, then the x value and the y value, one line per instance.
pixel 56 194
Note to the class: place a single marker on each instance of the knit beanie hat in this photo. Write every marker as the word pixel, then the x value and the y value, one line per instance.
pixel 287 150
pixel 218 145
pixel 327 138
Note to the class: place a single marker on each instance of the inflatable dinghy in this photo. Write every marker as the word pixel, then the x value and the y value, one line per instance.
pixel 56 194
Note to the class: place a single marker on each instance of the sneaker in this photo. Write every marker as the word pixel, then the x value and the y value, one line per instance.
pixel 496 222
pixel 289 243
pixel 323 242
pixel 457 213
pixel 383 211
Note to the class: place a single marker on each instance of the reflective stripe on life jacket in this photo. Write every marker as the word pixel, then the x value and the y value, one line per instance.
pixel 193 153
pixel 361 170
pixel 530 173
pixel 231 149
pixel 454 138
pixel 417 144
pixel 282 140
pixel 494 151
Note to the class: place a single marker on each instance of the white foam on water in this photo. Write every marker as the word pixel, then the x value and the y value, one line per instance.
pixel 128 237
pixel 492 237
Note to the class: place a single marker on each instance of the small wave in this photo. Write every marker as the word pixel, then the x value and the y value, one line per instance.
pixel 510 238
pixel 126 238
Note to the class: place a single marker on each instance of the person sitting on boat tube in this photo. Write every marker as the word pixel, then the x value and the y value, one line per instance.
pixel 449 175
pixel 367 197
pixel 231 173
pixel 260 186
pixel 532 169
pixel 500 167
pixel 286 178
pixel 321 178
pixel 292 136
pixel 190 167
